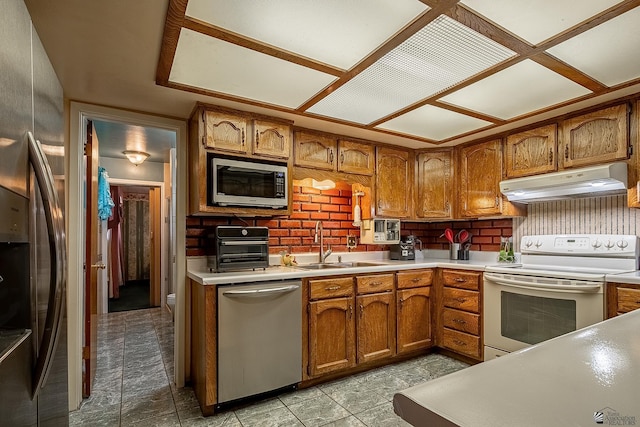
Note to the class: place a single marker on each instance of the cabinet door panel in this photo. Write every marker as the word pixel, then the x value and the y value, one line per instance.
pixel 531 152
pixel 628 299
pixel 314 151
pixel 481 172
pixel 354 157
pixel 393 183
pixel 225 132
pixel 271 139
pixel 331 336
pixel 376 326
pixel 433 192
pixel 414 319
pixel 597 137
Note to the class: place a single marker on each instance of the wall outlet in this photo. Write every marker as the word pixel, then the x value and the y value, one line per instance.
pixel 352 242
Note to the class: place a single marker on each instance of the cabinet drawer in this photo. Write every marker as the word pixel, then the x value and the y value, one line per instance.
pixel 461 279
pixel 462 343
pixel 461 321
pixel 461 299
pixel 376 283
pixel 330 288
pixel 628 299
pixel 414 279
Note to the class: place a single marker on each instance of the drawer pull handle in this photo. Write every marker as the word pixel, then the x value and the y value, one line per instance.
pixel 332 288
pixel 416 279
pixel 376 283
pixel 401 302
pixel 460 280
pixel 461 300
pixel 459 321
pixel 459 342
pixel 361 311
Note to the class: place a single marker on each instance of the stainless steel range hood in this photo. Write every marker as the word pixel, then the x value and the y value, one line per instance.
pixel 592 181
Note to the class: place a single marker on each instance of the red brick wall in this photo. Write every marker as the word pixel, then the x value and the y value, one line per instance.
pixel 333 207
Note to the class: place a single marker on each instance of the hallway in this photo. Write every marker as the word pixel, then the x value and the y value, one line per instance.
pixel 134 386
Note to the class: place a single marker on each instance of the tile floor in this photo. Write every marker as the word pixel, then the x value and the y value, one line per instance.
pixel 133 386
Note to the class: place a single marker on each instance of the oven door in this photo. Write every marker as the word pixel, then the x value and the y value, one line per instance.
pixel 520 311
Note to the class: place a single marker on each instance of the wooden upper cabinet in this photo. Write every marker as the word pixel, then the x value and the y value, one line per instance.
pixel 394 178
pixel 480 175
pixel 532 152
pixel 271 139
pixel 598 137
pixel 434 185
pixel 225 131
pixel 355 157
pixel 314 150
pixel 320 151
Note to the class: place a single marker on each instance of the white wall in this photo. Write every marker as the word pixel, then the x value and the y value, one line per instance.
pixel 601 215
pixel 124 169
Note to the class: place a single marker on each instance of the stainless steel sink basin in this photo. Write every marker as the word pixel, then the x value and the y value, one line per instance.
pixel 322 266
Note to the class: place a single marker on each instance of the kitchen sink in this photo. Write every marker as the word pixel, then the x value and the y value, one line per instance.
pixel 326 265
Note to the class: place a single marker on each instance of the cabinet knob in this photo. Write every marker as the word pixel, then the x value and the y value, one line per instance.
pixel 361 311
pixel 350 311
pixel 330 156
pixel 342 158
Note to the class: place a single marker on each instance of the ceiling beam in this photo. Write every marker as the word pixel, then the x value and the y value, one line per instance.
pixel 172 25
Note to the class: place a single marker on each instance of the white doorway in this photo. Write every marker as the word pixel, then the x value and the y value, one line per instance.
pixel 79 114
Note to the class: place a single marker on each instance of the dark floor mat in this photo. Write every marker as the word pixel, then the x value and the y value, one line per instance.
pixel 134 295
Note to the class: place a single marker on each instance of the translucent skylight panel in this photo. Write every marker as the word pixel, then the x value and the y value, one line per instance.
pixel 213 64
pixel 440 55
pixel 536 21
pixel 433 123
pixel 517 90
pixel 336 32
pixel 609 53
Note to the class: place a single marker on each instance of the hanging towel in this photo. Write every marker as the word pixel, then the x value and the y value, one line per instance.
pixel 105 203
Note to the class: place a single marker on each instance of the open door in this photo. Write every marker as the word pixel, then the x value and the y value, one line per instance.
pixel 93 262
pixel 155 279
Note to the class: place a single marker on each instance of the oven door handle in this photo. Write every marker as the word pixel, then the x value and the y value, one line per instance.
pixel 577 288
pixel 244 242
pixel 262 292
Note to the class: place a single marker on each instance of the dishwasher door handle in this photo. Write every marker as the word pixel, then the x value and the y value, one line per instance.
pixel 261 292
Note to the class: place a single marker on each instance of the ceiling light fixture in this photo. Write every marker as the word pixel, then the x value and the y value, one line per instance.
pixel 136 157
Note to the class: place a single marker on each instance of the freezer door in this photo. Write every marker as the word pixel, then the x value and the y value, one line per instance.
pixel 16 406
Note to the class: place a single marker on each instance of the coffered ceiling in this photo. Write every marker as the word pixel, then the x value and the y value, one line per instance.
pixel 432 71
pixel 406 72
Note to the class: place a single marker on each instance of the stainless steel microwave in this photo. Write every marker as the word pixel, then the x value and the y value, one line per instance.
pixel 248 183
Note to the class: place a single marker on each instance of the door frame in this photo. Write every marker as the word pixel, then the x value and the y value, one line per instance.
pixel 103 294
pixel 77 113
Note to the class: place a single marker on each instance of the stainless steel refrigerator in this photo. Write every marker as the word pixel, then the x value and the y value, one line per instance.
pixel 33 344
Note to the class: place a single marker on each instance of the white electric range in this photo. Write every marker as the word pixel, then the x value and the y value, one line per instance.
pixel 558 288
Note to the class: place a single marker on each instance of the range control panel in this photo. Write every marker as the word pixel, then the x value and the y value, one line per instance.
pixel 617 245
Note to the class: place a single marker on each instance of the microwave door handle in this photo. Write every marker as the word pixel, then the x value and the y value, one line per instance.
pixel 577 288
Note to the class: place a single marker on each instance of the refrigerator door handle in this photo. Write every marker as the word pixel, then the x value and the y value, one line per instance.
pixel 58 256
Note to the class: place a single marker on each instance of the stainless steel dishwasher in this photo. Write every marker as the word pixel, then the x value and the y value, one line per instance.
pixel 259 338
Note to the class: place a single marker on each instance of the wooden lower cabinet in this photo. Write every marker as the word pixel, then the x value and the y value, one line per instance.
pixel 332 335
pixel 376 326
pixel 622 298
pixel 460 307
pixel 413 319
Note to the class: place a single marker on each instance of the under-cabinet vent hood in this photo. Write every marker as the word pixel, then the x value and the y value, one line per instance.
pixel 591 181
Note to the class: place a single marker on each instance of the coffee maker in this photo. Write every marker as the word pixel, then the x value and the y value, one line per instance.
pixel 404 250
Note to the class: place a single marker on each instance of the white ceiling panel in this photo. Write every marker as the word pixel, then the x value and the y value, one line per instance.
pixel 536 21
pixel 336 32
pixel 438 56
pixel 609 52
pixel 519 89
pixel 213 64
pixel 433 123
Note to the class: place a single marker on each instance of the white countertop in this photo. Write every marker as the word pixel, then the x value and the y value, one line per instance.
pixel 560 382
pixel 197 270
pixel 631 278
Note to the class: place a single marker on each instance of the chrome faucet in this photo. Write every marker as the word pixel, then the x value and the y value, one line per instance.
pixel 322 255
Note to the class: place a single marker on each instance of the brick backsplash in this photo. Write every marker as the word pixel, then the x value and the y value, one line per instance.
pixel 296 231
